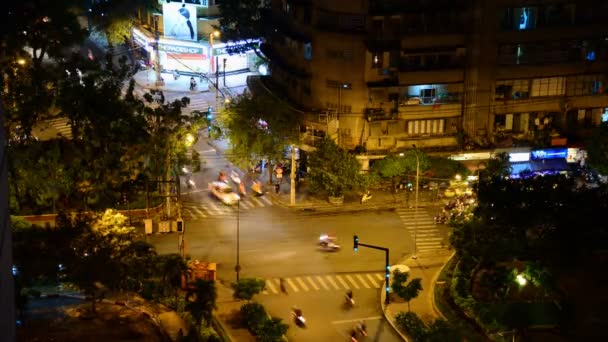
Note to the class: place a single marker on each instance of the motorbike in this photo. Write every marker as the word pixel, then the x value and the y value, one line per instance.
pixel 366 197
pixel 350 301
pixel 325 239
pixel 235 177
pixel 298 318
pixel 256 188
pixel 361 329
pixel 330 247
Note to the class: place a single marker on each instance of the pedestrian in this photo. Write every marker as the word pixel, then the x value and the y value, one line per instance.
pixel 282 286
pixel 277 188
pixel 192 83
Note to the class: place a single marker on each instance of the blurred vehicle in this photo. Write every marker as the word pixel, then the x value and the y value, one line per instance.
pixel 224 193
pixel 449 193
pixel 325 239
pixel 330 247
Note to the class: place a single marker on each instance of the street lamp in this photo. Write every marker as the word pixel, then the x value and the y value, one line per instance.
pixel 416 203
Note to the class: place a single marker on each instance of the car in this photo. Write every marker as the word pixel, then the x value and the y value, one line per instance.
pixel 224 193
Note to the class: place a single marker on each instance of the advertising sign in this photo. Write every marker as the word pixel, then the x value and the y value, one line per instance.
pixel 179 21
pixel 554 153
pixel 180 49
pixel 198 3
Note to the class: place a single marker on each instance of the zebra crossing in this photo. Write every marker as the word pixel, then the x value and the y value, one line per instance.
pixel 333 282
pixel 212 208
pixel 428 235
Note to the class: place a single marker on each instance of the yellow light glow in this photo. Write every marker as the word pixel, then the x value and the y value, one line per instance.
pixel 189 139
pixel 216 33
pixel 458 177
pixel 521 280
pixel 21 61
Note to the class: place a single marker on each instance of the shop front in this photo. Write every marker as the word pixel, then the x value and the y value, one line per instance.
pixel 227 62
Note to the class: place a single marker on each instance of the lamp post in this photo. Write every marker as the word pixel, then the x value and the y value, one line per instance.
pixel 415 256
pixel 215 34
pixel 157 66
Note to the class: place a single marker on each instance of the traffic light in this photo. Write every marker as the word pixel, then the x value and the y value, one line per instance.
pixel 209 113
pixel 180 226
pixel 356 243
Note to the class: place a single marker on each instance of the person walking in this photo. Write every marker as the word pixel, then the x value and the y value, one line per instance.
pixel 192 83
pixel 282 286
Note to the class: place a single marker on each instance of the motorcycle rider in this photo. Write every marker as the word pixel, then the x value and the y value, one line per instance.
pixel 349 297
pixel 362 328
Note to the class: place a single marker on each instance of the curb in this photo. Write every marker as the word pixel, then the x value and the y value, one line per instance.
pixel 383 305
pixel 434 282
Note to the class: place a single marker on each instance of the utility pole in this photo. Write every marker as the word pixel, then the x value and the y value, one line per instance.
pixel 225 59
pixel 387 269
pixel 217 78
pixel 157 66
pixel 237 268
pixel 292 193
pixel 415 256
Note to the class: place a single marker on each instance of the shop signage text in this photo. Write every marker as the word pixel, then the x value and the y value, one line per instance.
pixel 181 49
pixel 555 153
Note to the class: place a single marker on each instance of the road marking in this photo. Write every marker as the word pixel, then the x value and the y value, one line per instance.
pixel 322 282
pixel 295 289
pixel 200 212
pixel 430 247
pixel 372 318
pixel 374 282
pixel 333 283
pixel 352 281
pixel 263 198
pixel 257 201
pixel 304 287
pixel 342 282
pixel 379 276
pixel 214 207
pixel 312 283
pixel 270 286
pixel 431 239
pixel 427 243
pixel 245 204
pixel 362 280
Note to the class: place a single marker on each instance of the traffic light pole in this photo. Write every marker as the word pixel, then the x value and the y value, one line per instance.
pixel 387 272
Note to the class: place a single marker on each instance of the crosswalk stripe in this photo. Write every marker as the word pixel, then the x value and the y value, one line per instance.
pixel 427 243
pixel 352 281
pixel 270 286
pixel 431 239
pixel 304 287
pixel 263 198
pixel 200 212
pixel 212 205
pixel 375 283
pixel 245 205
pixel 430 247
pixel 342 282
pixel 379 276
pixel 295 289
pixel 312 283
pixel 362 280
pixel 322 282
pixel 257 201
pixel 332 282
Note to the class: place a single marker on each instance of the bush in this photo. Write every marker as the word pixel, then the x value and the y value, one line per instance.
pixel 441 331
pixel 253 315
pixel 246 288
pixel 271 330
pixel 411 324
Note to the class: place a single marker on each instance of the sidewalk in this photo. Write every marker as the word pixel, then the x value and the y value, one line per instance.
pixel 427 267
pixel 227 314
pixel 147 79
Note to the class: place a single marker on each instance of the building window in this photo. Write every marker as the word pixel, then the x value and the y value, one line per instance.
pixel 436 126
pixel 512 89
pixel 584 85
pixel 551 86
pixel 308 51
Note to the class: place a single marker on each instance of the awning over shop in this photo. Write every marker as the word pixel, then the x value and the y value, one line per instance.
pixel 545 165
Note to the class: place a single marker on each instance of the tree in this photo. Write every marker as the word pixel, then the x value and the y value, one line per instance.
pixel 597 149
pixel 407 291
pixel 171 268
pixel 441 331
pixel 498 166
pixel 447 168
pixel 391 167
pixel 115 18
pixel 333 170
pixel 200 300
pixel 246 288
pixel 244 20
pixel 258 128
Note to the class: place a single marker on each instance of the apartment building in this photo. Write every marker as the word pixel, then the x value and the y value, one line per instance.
pixel 387 74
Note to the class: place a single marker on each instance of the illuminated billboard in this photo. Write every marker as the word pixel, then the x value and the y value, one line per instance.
pixel 179 21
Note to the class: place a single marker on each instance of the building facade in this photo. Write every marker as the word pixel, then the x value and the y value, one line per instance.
pixel 186 39
pixel 441 74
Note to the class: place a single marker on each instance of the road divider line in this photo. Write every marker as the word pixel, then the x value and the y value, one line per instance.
pixel 372 318
pixel 350 279
pixel 333 283
pixel 270 286
pixel 312 283
pixel 363 281
pixel 375 283
pixel 295 289
pixel 304 287
pixel 322 282
pixel 342 282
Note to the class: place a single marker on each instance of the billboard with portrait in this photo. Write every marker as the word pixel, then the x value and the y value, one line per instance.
pixel 179 21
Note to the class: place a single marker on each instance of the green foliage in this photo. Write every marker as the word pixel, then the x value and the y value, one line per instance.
pixel 243 20
pixel 391 166
pixel 441 331
pixel 403 289
pixel 242 122
pixel 271 330
pixel 498 166
pixel 253 315
pixel 333 170
pixel 116 17
pixel 246 288
pixel 200 300
pixel 412 325
pixel 597 149
pixel 447 168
